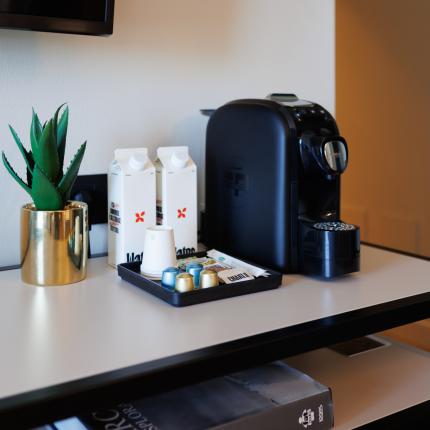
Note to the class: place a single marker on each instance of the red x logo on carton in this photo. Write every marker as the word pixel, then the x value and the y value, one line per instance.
pixel 139 216
pixel 181 213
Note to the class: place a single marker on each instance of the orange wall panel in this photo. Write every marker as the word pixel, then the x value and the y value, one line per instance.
pixel 383 110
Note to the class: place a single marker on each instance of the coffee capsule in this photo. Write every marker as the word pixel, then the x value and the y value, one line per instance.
pixel 208 278
pixel 194 270
pixel 168 278
pixel 184 283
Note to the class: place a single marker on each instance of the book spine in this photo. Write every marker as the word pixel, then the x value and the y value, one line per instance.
pixel 314 413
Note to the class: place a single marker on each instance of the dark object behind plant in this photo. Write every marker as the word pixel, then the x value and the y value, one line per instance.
pixel 92 189
pixel 47 184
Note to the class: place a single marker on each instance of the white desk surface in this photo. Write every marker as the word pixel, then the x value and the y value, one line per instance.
pixel 50 335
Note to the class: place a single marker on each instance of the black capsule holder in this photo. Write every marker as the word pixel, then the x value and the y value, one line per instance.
pixel 130 272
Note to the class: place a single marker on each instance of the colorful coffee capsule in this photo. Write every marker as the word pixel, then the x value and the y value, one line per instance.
pixel 208 278
pixel 194 270
pixel 168 278
pixel 184 283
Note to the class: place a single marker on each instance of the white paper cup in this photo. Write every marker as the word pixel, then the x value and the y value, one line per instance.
pixel 158 251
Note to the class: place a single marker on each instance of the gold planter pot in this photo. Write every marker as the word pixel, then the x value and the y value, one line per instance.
pixel 54 244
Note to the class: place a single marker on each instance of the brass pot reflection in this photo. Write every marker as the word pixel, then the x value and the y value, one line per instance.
pixel 54 244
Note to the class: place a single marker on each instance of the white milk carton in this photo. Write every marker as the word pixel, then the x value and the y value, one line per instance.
pixel 131 190
pixel 177 196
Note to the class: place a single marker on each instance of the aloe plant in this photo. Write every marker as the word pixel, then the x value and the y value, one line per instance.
pixel 47 184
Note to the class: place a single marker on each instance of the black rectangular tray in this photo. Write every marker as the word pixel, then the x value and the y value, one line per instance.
pixel 130 272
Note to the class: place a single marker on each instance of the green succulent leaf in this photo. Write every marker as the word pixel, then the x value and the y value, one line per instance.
pixel 44 193
pixel 29 177
pixel 56 115
pixel 46 157
pixel 61 131
pixel 66 183
pixel 28 156
pixel 35 132
pixel 14 175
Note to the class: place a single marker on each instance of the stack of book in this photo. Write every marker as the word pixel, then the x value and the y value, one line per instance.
pixel 274 396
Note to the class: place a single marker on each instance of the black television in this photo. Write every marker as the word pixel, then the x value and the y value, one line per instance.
pixel 93 17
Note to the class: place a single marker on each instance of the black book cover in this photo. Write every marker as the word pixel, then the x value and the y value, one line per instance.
pixel 273 395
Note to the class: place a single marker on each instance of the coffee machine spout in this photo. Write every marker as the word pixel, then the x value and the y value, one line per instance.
pixel 328 246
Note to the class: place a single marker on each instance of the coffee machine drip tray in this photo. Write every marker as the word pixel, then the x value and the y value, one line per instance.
pixel 329 248
pixel 334 226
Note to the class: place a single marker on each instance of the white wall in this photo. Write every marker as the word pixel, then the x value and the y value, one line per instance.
pixel 144 85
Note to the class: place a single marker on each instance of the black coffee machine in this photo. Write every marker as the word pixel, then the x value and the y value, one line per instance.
pixel 273 171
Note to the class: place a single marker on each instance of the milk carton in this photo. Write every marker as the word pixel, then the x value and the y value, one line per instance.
pixel 177 196
pixel 131 189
